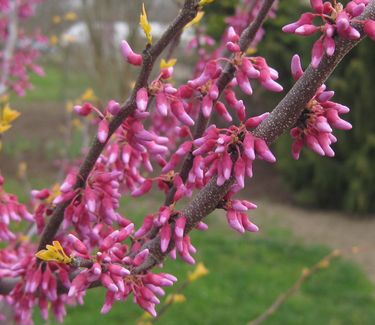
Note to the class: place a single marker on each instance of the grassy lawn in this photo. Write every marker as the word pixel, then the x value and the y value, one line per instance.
pixel 246 274
pixel 57 85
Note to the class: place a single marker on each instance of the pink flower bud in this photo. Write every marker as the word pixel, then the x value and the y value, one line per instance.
pixel 209 72
pixel 369 29
pixel 103 129
pixel 254 121
pixel 296 148
pixel 335 121
pixel 317 53
pixel 248 144
pixel 248 68
pixel 77 244
pixel 232 35
pixel 165 237
pixel 41 195
pixel 142 99
pixel 244 82
pixel 125 232
pixel 306 18
pixel 108 283
pixel 232 47
pixel 118 270
pixel 296 67
pixel 306 30
pixel 162 104
pixel 249 226
pixel 146 226
pixel 234 221
pixel 317 5
pixel 263 151
pixel 322 125
pixel 329 45
pixel 129 55
pixel 239 172
pixel 113 107
pixel 180 227
pixel 108 302
pixel 83 110
pixel 143 189
pixel 140 257
pixel 207 106
pixel 314 145
pixel 222 111
pixel 179 111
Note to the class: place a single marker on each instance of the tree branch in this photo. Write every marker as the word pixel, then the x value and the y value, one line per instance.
pixel 150 54
pixel 282 118
pixel 247 37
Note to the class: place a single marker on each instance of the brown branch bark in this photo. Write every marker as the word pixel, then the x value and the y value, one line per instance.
pixel 150 54
pixel 282 118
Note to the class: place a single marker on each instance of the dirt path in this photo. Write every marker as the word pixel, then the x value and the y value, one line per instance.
pixel 321 227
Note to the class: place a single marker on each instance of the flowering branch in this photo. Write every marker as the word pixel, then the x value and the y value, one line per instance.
pixel 282 118
pixel 150 54
pixel 247 37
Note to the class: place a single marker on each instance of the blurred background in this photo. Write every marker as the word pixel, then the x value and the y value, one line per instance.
pixel 307 208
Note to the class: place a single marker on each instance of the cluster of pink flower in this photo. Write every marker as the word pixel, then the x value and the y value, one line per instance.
pixel 26 51
pixel 10 210
pixel 103 248
pixel 314 126
pixel 337 19
pixel 112 268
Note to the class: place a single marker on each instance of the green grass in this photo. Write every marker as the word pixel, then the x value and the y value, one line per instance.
pixel 246 274
pixel 57 85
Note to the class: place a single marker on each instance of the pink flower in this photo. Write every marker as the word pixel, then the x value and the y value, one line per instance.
pixel 129 55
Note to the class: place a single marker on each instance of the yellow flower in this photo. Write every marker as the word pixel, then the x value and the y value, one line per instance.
pixel 53 40
pixel 9 115
pixel 175 298
pixel 69 105
pixel 167 64
pixel 143 21
pixel 55 191
pixel 56 19
pixel 203 3
pixel 196 20
pixel 77 123
pixel 22 169
pixel 70 16
pixel 200 271
pixel 54 253
pixel 68 38
pixel 88 95
pixel 4 127
pixel 251 51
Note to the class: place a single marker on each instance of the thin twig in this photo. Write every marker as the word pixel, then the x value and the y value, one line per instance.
pixel 305 275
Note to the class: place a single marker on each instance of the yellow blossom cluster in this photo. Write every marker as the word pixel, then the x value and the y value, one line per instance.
pixel 54 253
pixel 7 116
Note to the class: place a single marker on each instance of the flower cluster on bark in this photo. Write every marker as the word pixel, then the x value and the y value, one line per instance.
pixel 162 137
